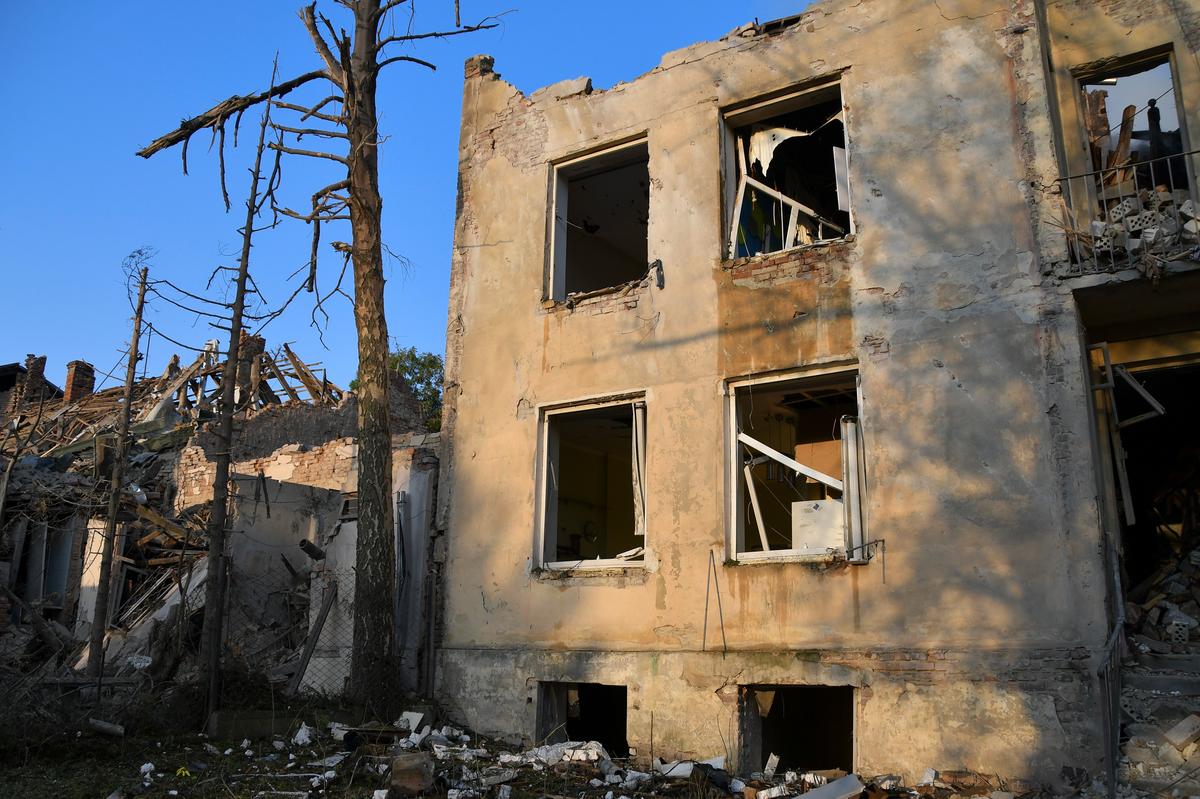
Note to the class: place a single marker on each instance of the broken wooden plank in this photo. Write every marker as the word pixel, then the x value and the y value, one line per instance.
pixel 291 392
pixel 313 634
pixel 169 528
pixel 304 375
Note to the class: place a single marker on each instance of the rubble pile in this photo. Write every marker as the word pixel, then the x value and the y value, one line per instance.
pixel 1160 696
pixel 412 756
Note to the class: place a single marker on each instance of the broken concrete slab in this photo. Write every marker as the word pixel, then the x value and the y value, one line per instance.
pixel 412 773
pixel 237 724
pixel 1185 732
pixel 844 788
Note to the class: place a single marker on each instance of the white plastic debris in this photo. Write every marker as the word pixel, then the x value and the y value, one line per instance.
pixel 212 750
pixel 245 744
pixel 331 761
pixel 504 792
pixel 595 783
pixel 380 793
pixel 736 785
pixel 418 737
pixel 303 736
pixel 338 730
pixel 139 662
pixel 775 791
pixel 146 769
pixel 279 745
pixel 928 777
pixel 772 764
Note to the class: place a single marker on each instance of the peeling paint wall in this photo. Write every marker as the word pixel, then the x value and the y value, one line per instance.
pixel 975 405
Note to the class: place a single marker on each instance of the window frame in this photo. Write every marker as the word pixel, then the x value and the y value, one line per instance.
pixel 856 543
pixel 610 156
pixel 733 166
pixel 546 449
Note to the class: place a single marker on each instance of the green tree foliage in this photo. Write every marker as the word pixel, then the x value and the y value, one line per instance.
pixel 422 371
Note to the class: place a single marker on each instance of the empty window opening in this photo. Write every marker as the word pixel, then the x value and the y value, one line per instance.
pixel 807 727
pixel 601 219
pixel 1137 195
pixel 595 489
pixel 1160 473
pixel 792 174
pixel 798 467
pixel 584 711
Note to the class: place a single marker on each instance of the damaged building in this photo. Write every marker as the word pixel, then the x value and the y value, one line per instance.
pixel 827 392
pixel 291 544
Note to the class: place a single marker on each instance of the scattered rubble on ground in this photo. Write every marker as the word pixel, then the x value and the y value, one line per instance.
pixel 1160 697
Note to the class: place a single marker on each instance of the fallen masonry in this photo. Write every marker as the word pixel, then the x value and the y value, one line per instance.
pixel 392 761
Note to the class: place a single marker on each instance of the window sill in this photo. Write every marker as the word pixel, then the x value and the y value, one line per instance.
pixel 618 572
pixel 790 556
pixel 584 299
pixel 792 252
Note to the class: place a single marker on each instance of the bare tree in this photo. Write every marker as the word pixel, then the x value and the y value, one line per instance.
pixel 350 67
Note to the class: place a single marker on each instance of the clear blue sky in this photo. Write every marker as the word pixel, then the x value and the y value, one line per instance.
pixel 87 84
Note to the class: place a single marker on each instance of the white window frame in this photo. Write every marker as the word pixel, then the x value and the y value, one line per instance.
pixel 547 453
pixel 735 167
pixel 852 481
pixel 561 172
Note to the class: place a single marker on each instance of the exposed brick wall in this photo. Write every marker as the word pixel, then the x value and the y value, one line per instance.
pixel 331 465
pixel 823 261
pixel 621 298
pixel 81 379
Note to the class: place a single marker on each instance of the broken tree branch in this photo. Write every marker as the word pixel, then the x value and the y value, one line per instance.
pixel 221 111
pixel 309 15
pixel 310 153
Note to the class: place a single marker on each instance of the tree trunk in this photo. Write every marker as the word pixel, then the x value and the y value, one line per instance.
pixel 95 664
pixel 372 664
pixel 214 589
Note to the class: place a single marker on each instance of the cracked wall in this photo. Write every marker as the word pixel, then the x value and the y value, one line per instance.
pixel 975 407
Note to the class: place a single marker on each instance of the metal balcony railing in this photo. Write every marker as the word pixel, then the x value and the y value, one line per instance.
pixel 1140 215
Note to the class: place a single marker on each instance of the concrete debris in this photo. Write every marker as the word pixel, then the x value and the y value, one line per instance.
pixel 1185 732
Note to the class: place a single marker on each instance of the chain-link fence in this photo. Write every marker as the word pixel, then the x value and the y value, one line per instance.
pixel 295 629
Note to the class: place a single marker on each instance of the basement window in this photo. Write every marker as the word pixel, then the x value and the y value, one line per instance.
pixel 584 711
pixel 601 212
pixel 796 467
pixel 806 728
pixel 790 171
pixel 594 493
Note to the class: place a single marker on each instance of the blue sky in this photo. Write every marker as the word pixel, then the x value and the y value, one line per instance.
pixel 87 84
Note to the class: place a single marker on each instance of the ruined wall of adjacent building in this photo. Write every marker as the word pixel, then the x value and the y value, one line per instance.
pixel 975 389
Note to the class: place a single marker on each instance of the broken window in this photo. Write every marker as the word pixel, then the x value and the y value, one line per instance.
pixel 1137 195
pixel 797 728
pixel 583 711
pixel 798 467
pixel 792 173
pixel 594 493
pixel 601 217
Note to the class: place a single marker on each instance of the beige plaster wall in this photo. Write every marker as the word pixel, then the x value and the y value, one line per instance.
pixel 975 399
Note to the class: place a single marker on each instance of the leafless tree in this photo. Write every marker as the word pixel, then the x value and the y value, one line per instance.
pixel 346 117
